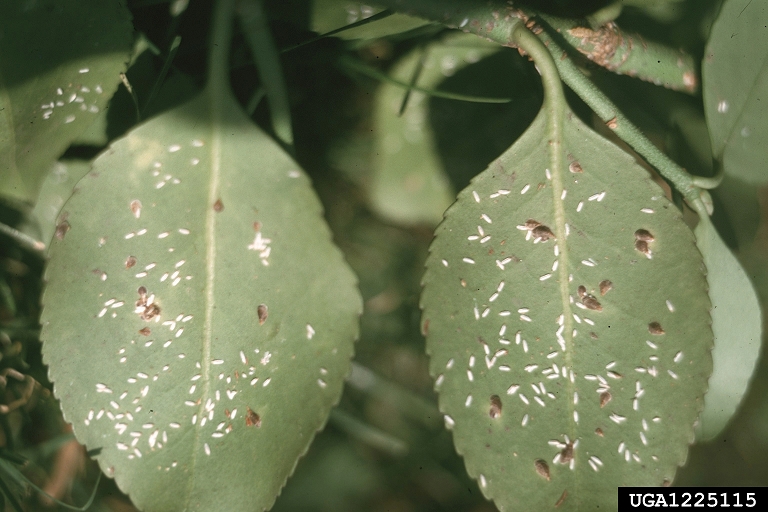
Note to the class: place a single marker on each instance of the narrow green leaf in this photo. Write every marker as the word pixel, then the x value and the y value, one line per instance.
pixel 256 29
pixel 330 15
pixel 738 327
pixel 409 184
pixel 198 322
pixel 735 79
pixel 567 321
pixel 59 65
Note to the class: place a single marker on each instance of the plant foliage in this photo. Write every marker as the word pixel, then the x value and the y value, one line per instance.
pixel 586 313
pixel 568 325
pixel 215 319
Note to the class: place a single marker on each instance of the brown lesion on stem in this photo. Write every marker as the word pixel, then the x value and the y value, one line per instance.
pixel 602 45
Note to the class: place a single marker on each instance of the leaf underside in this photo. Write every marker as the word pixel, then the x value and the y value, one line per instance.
pixel 735 84
pixel 738 328
pixel 556 396
pixel 206 402
pixel 59 66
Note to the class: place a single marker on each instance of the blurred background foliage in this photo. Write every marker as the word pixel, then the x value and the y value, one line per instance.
pixel 385 448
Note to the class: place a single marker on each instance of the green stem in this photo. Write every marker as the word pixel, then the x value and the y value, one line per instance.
pixel 618 122
pixel 21 238
pixel 163 72
pixel 408 403
pixel 368 434
pixel 414 79
pixel 218 56
pixel 496 21
pixel 709 182
pixel 626 54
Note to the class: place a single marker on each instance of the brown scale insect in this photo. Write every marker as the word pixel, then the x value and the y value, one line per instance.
pixel 61 229
pixel 588 300
pixel 599 431
pixel 495 410
pixel 543 232
pixel 575 167
pixel 263 312
pixel 136 208
pixel 605 397
pixel 644 235
pixel 593 335
pixel 641 246
pixel 218 205
pixel 591 303
pixel 561 500
pixel 566 454
pixel 642 238
pixel 130 261
pixel 145 331
pixel 605 286
pixel 252 419
pixel 655 329
pixel 151 311
pixel 542 468
pixel 531 223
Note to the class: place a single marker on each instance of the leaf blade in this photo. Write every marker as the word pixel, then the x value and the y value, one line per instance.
pixel 52 84
pixel 738 328
pixel 217 381
pixel 498 331
pixel 735 77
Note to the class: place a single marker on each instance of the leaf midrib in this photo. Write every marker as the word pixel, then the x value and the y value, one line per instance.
pixel 555 118
pixel 215 111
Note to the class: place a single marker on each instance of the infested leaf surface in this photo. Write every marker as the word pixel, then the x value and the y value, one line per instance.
pixel 543 290
pixel 60 63
pixel 198 322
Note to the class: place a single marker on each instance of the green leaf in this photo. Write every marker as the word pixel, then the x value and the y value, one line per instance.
pixel 735 80
pixel 265 56
pixel 56 190
pixel 557 394
pixel 59 65
pixel 738 327
pixel 329 15
pixel 409 184
pixel 205 394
